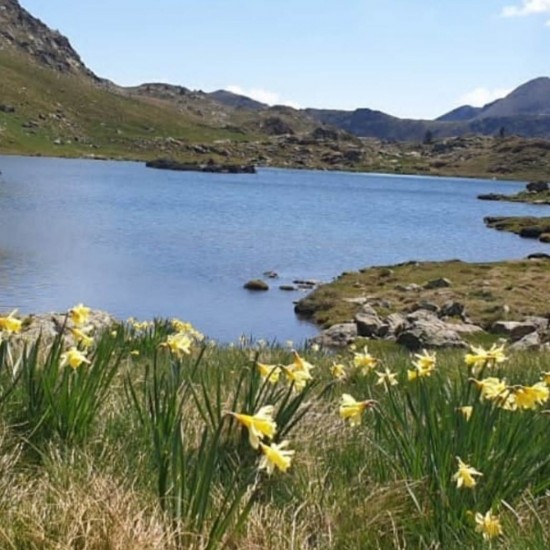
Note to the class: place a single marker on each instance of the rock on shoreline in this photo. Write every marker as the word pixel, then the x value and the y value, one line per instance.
pixel 209 167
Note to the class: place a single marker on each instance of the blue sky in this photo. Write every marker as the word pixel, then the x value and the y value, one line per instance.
pixel 409 58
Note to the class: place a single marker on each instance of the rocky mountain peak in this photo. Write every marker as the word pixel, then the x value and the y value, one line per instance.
pixel 20 31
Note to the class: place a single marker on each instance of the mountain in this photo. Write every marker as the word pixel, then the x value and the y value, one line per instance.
pixel 524 112
pixel 236 100
pixel 466 112
pixel 20 31
pixel 529 99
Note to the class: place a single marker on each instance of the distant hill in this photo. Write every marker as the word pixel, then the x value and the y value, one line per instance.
pixel 460 114
pixel 236 100
pixel 524 112
pixel 529 99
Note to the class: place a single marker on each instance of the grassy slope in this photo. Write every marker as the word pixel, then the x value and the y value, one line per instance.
pixel 484 288
pixel 94 120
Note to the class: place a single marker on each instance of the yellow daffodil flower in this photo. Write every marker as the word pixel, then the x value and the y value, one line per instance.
pixel 259 425
pixel 351 410
pixel 466 411
pixel 82 338
pixel 464 476
pixel 301 364
pixel 297 377
pixel 10 324
pixel 79 314
pixel 73 357
pixel 481 357
pixel 423 366
pixel 528 397
pixel 364 361
pixel 488 525
pixel 491 387
pixel 338 371
pixel 275 456
pixel 270 373
pixel 386 378
pixel 179 343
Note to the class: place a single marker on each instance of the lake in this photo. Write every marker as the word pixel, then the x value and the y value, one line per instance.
pixel 142 242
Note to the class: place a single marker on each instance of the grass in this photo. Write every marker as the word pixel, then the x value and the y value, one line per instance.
pixel 160 464
pixel 524 226
pixel 489 291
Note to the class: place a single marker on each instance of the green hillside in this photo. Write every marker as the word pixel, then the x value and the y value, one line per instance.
pixel 66 115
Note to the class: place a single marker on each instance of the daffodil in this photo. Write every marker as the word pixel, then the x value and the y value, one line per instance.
pixel 79 314
pixel 179 343
pixel 82 338
pixel 466 411
pixel 338 371
pixel 301 364
pixel 187 328
pixel 491 387
pixel 297 377
pixel 74 358
pixel 351 410
pixel 275 456
pixel 464 476
pixel 270 373
pixel 10 324
pixel 386 378
pixel 488 525
pixel 259 425
pixel 481 357
pixel 528 397
pixel 423 366
pixel 364 361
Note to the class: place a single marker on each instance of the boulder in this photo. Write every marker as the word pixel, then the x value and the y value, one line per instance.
pixel 337 336
pixel 529 341
pixel 412 287
pixel 368 322
pixel 440 282
pixel 531 232
pixel 256 284
pixel 452 309
pixel 515 330
pixel 425 305
pixel 425 330
pixel 288 288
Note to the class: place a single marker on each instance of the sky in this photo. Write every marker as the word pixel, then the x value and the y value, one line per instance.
pixel 408 58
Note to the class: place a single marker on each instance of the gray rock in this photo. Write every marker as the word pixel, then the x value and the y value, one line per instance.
pixel 396 323
pixel 425 330
pixel 368 324
pixel 452 309
pixel 256 284
pixel 529 341
pixel 412 287
pixel 424 304
pixel 440 282
pixel 337 336
pixel 515 330
pixel 288 287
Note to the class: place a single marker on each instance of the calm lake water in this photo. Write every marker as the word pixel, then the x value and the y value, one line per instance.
pixel 142 242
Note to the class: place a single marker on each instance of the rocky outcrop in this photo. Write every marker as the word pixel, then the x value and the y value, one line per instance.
pixel 210 167
pixel 49 325
pixel 20 31
pixel 337 336
pixel 419 329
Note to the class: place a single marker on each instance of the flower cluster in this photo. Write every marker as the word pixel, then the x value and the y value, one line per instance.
pixel 262 426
